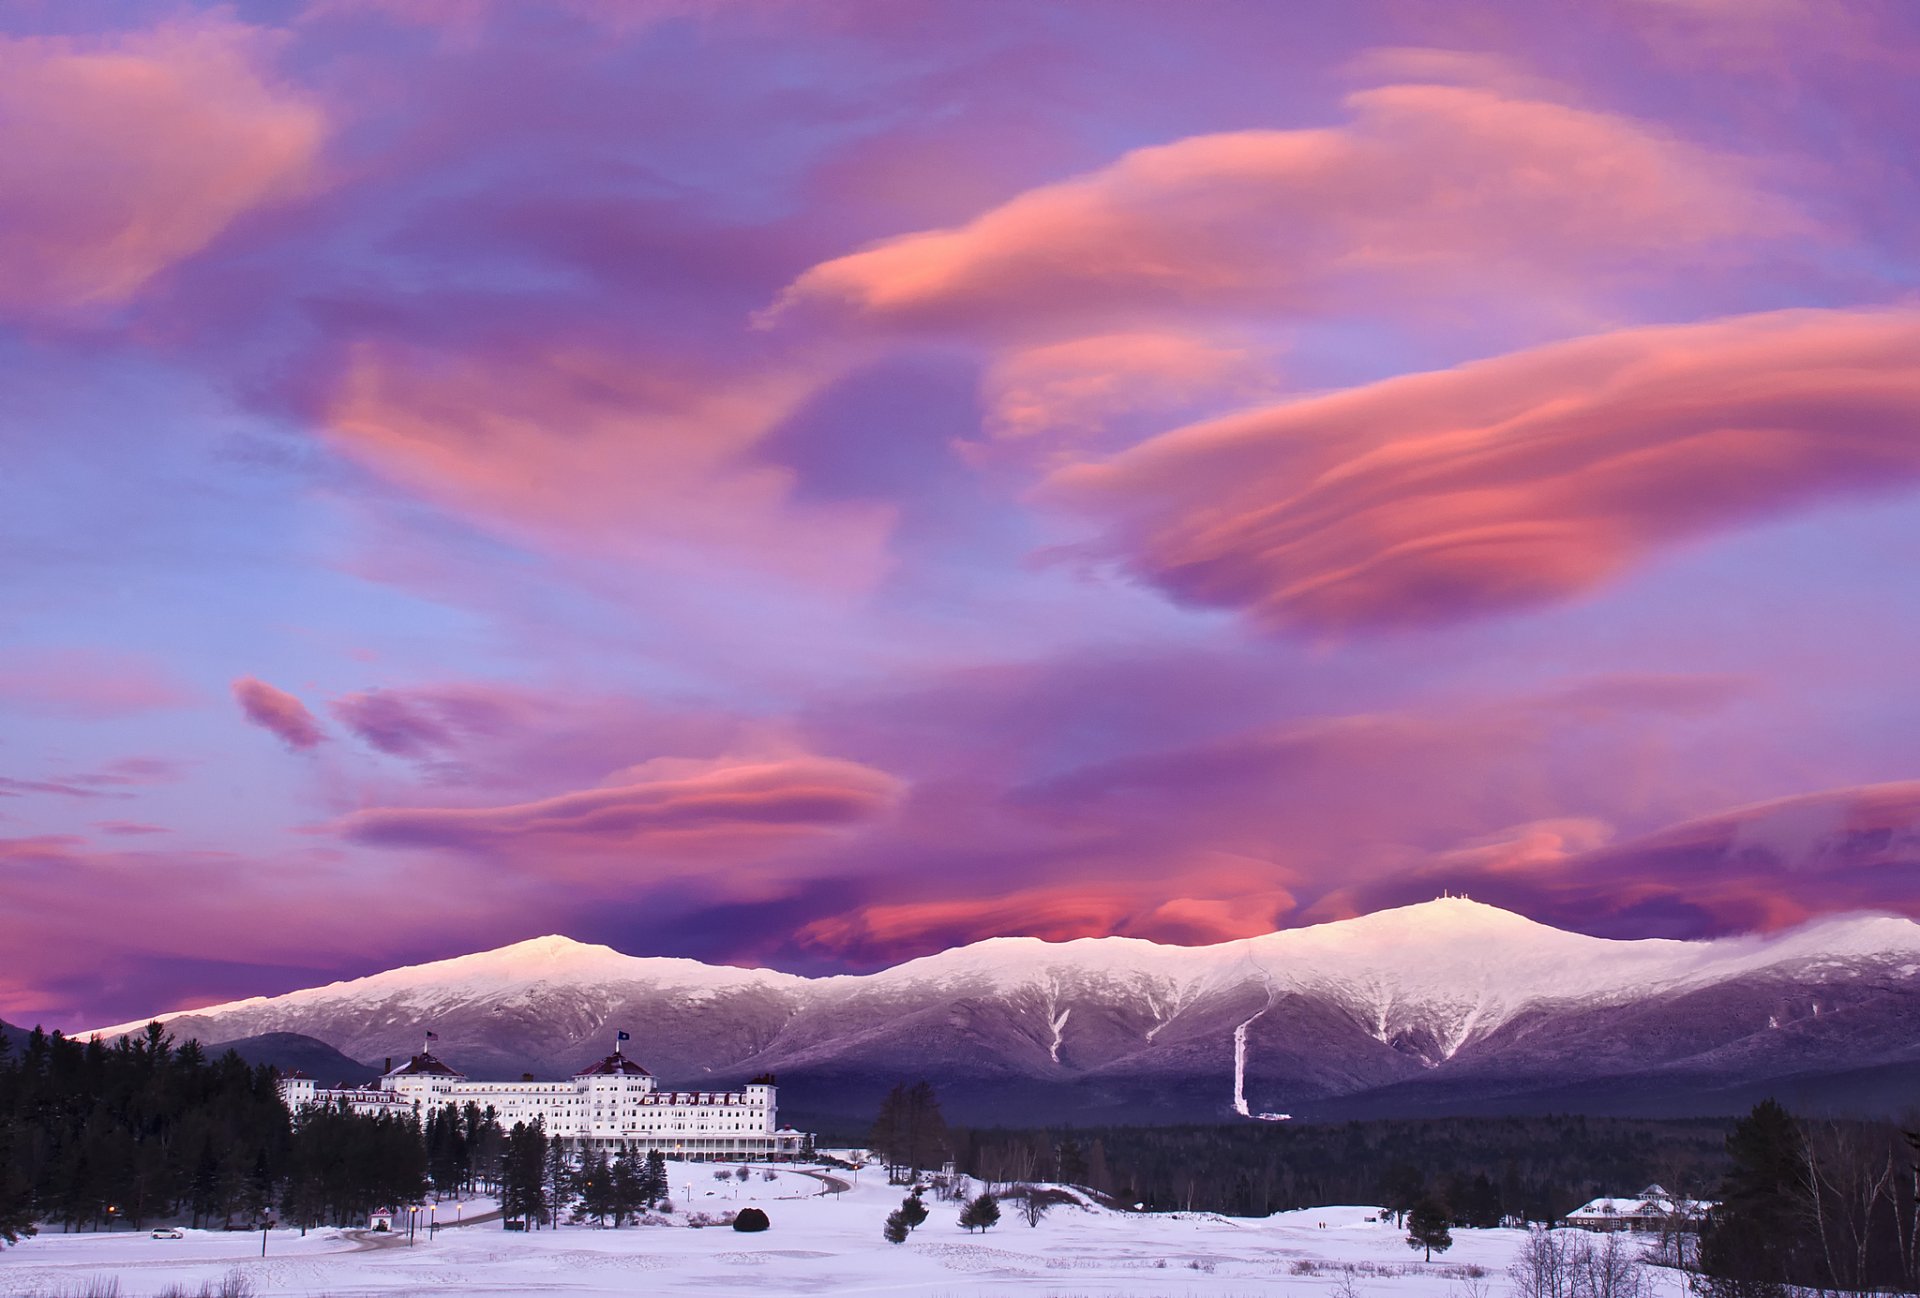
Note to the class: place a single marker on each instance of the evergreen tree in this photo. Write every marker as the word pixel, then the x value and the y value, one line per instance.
pixel 653 1182
pixel 913 1211
pixel 629 1187
pixel 895 1231
pixel 562 1185
pixel 1428 1225
pixel 523 1188
pixel 982 1213
pixel 1752 1243
pixel 910 1133
pixel 1401 1188
pixel 596 1187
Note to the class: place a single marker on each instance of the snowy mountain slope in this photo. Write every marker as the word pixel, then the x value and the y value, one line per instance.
pixel 1444 1006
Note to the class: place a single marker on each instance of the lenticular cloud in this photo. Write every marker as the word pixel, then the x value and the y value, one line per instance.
pixel 1514 482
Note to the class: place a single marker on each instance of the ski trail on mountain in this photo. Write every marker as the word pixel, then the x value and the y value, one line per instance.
pixel 1240 1050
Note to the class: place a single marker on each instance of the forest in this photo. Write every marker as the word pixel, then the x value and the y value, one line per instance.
pixel 95 1136
pixel 1486 1169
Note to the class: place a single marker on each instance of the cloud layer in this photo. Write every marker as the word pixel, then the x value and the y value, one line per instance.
pixel 1514 482
pixel 812 484
pixel 121 156
pixel 1442 184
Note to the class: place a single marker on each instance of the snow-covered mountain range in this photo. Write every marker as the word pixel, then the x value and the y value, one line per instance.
pixel 1447 1006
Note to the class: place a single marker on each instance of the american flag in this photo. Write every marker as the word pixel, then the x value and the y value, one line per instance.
pixel 433 1036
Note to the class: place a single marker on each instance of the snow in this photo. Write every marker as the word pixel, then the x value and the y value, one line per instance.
pixel 1453 968
pixel 819 1244
pixel 497 975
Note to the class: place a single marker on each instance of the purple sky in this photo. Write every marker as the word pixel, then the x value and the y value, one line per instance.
pixel 810 484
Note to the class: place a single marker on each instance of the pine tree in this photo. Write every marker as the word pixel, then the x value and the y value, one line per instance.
pixel 523 1193
pixel 596 1187
pixel 1750 1243
pixel 1428 1227
pixel 910 1133
pixel 628 1195
pixel 895 1231
pixel 913 1211
pixel 981 1214
pixel 653 1183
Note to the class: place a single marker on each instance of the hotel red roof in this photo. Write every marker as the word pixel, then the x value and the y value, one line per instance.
pixel 614 1065
pixel 424 1064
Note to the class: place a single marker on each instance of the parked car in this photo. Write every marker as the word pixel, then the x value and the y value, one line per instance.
pixel 169 1232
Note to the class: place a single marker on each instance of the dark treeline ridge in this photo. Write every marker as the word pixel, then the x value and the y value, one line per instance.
pixel 93 1135
pixel 1484 1169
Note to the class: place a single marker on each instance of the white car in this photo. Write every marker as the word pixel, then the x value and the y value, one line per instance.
pixel 169 1232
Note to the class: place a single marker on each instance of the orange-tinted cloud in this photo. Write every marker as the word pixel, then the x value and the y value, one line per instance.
pixel 593 447
pixel 123 155
pixel 277 711
pixel 1442 183
pixel 658 819
pixel 1513 482
pixel 1238 899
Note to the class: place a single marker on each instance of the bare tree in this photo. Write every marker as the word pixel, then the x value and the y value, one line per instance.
pixel 1033 1207
pixel 1545 1267
pixel 1615 1267
pixel 1850 1171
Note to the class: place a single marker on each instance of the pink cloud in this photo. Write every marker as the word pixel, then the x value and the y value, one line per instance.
pixel 660 818
pixel 123 155
pixel 1244 901
pixel 1763 866
pixel 277 711
pixel 1514 482
pixel 588 446
pixel 158 944
pixel 416 723
pixel 129 828
pixel 86 684
pixel 1425 184
pixel 1074 391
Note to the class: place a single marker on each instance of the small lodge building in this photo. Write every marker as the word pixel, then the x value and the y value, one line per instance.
pixel 1653 1211
pixel 613 1103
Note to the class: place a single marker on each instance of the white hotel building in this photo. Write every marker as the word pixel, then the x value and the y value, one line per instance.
pixel 609 1105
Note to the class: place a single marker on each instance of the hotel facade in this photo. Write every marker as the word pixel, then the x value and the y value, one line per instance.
pixel 610 1105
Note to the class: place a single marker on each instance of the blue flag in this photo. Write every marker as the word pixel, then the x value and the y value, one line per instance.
pixel 621 1036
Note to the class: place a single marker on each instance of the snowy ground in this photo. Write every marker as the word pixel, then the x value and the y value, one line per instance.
pixel 820 1243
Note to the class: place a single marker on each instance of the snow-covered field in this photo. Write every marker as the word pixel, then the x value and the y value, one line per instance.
pixel 820 1243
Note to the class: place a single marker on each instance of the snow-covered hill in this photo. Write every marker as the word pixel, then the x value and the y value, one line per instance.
pixel 1450 1005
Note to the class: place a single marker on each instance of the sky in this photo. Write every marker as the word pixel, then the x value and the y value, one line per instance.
pixel 809 485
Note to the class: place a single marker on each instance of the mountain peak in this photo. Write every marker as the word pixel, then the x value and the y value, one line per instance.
pixel 1443 916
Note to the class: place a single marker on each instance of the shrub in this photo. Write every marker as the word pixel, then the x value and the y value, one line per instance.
pixel 751 1219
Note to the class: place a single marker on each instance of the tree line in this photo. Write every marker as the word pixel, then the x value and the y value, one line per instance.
pixel 95 1135
pixel 1484 1170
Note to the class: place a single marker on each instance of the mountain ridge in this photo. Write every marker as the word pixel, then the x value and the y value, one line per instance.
pixel 1447 1002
